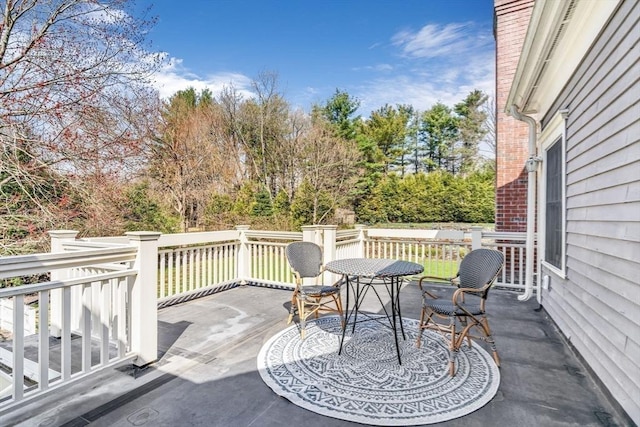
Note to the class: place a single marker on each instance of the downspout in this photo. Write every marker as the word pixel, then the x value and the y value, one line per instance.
pixel 532 167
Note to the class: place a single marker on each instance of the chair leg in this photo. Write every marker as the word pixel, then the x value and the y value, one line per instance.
pixel 484 324
pixel 317 313
pixel 453 346
pixel 421 326
pixel 463 323
pixel 302 316
pixel 292 309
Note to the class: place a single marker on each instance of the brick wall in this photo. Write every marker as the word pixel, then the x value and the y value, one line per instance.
pixel 511 21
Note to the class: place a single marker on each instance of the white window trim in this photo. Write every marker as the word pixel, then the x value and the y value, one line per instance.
pixel 556 130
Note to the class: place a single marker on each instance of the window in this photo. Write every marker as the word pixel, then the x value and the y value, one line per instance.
pixel 552 196
pixel 554 218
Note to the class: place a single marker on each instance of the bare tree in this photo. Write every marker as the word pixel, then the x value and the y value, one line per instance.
pixel 234 131
pixel 267 116
pixel 288 153
pixel 74 100
pixel 328 163
pixel 489 140
pixel 191 157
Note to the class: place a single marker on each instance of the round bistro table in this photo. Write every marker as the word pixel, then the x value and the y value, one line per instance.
pixel 364 274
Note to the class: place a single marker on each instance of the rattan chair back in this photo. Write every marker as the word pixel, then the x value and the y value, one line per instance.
pixel 479 268
pixel 305 258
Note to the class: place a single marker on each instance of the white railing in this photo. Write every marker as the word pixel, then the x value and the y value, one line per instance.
pixel 103 314
pixel 439 251
pixel 513 246
pixel 349 243
pixel 103 293
pixel 190 269
pixel 266 257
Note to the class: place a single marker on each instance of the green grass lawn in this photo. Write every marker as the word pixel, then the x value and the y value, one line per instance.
pixel 438 268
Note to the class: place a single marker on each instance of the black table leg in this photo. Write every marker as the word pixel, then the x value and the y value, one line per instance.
pixel 356 307
pixel 399 284
pixel 347 315
pixel 396 314
pixel 394 309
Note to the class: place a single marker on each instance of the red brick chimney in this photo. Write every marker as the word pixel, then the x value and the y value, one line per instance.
pixel 511 20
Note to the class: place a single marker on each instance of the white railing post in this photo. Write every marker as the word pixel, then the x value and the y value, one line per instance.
pixel 476 237
pixel 361 238
pixel 309 233
pixel 58 238
pixel 329 242
pixel 329 249
pixel 144 297
pixel 244 257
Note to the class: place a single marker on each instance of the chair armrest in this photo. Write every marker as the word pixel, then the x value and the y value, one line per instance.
pixel 423 290
pixel 460 292
pixel 437 278
pixel 341 281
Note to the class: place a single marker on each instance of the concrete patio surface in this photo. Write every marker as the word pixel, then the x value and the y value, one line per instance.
pixel 206 372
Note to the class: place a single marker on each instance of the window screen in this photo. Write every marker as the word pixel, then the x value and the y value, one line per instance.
pixel 553 229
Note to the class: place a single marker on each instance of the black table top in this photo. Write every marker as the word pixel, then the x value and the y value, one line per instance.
pixel 374 267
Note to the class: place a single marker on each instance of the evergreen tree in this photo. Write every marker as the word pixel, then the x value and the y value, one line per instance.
pixel 281 203
pixel 262 205
pixel 142 212
pixel 387 128
pixel 340 110
pixel 439 131
pixel 472 129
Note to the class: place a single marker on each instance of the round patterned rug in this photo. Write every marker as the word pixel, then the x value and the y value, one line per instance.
pixel 365 384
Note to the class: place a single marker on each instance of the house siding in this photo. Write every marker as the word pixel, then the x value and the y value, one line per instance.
pixel 597 303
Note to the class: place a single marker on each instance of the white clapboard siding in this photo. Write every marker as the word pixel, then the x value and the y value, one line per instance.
pixel 597 303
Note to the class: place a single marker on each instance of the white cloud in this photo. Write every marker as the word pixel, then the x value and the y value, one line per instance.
pixel 382 67
pixel 435 40
pixel 174 77
pixel 377 67
pixel 403 90
pixel 441 63
pixel 422 91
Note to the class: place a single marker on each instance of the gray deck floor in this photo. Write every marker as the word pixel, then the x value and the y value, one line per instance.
pixel 207 376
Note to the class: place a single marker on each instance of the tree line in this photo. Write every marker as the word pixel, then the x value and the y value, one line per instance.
pixel 87 144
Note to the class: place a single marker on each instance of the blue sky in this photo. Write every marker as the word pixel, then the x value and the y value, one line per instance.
pixel 415 52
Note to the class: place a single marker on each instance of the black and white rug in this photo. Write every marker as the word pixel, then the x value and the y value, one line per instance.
pixel 365 384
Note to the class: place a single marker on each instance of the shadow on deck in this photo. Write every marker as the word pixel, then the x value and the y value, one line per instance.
pixel 206 373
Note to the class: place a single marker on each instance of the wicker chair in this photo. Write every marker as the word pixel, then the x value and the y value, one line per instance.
pixel 305 259
pixel 455 318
